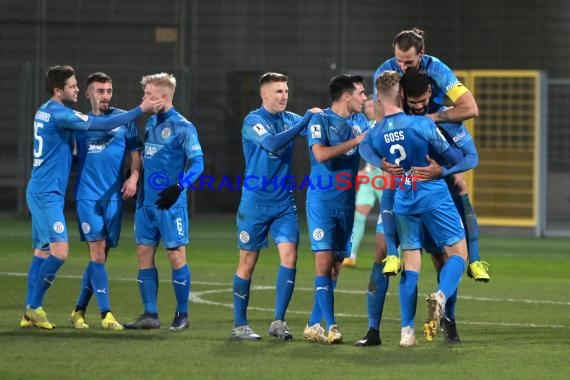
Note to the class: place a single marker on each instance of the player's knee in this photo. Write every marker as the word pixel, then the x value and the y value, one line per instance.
pixel 289 260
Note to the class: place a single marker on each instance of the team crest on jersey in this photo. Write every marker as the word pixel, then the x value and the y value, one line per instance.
pixel 81 116
pixel 58 227
pixel 85 227
pixel 166 132
pixel 316 131
pixel 259 129
pixel 318 234
pixel 356 130
pixel 244 237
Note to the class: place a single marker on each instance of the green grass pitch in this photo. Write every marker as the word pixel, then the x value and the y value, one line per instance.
pixel 515 327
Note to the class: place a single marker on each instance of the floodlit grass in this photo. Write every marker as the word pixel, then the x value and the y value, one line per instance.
pixel 515 327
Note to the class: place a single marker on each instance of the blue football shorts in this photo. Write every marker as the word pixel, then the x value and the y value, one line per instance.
pixel 100 220
pixel 442 223
pixel 330 229
pixel 48 221
pixel 254 223
pixel 152 225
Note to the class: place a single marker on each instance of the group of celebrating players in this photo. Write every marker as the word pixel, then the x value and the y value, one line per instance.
pixel 412 135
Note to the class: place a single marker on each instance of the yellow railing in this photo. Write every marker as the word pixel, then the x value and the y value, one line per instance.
pixel 504 188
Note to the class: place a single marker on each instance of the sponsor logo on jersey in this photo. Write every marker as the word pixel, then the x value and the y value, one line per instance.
pixel 259 129
pixel 318 234
pixel 196 147
pixel 151 149
pixel 459 136
pixel 316 131
pixel 95 147
pixel 81 116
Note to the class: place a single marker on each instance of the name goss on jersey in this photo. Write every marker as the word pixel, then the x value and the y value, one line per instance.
pixel 394 136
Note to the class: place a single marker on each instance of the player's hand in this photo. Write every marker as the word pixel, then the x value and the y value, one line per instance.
pixel 168 197
pixel 360 137
pixel 152 105
pixel 129 188
pixel 427 173
pixel 392 169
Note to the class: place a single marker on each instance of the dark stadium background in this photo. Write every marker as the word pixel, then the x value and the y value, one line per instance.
pixel 217 49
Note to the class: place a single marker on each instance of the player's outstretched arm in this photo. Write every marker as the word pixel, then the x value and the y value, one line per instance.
pixel 324 153
pixel 108 123
pixel 368 153
pixel 273 143
pixel 470 160
pixel 465 107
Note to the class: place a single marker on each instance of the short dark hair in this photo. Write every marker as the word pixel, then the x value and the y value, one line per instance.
pixel 407 39
pixel 56 76
pixel 99 77
pixel 271 77
pixel 415 83
pixel 343 83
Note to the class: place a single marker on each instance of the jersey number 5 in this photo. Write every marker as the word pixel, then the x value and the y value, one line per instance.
pixel 38 152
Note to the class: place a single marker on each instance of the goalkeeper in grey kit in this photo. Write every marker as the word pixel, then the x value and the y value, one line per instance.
pixel 171 146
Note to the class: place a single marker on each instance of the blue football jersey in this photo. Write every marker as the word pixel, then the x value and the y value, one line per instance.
pixel 406 140
pixel 330 129
pixel 54 126
pixel 267 173
pixel 443 80
pixel 170 141
pixel 101 157
pixel 455 133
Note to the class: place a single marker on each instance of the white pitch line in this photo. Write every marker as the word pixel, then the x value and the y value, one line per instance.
pixel 195 297
pixel 344 291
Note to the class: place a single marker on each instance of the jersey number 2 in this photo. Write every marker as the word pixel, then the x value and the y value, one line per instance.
pixel 401 152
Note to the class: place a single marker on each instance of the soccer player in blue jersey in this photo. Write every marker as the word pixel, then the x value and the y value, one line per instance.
pixel 99 192
pixel 366 194
pixel 267 204
pixel 417 92
pixel 406 140
pixel 54 126
pixel 172 161
pixel 410 53
pixel 333 149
